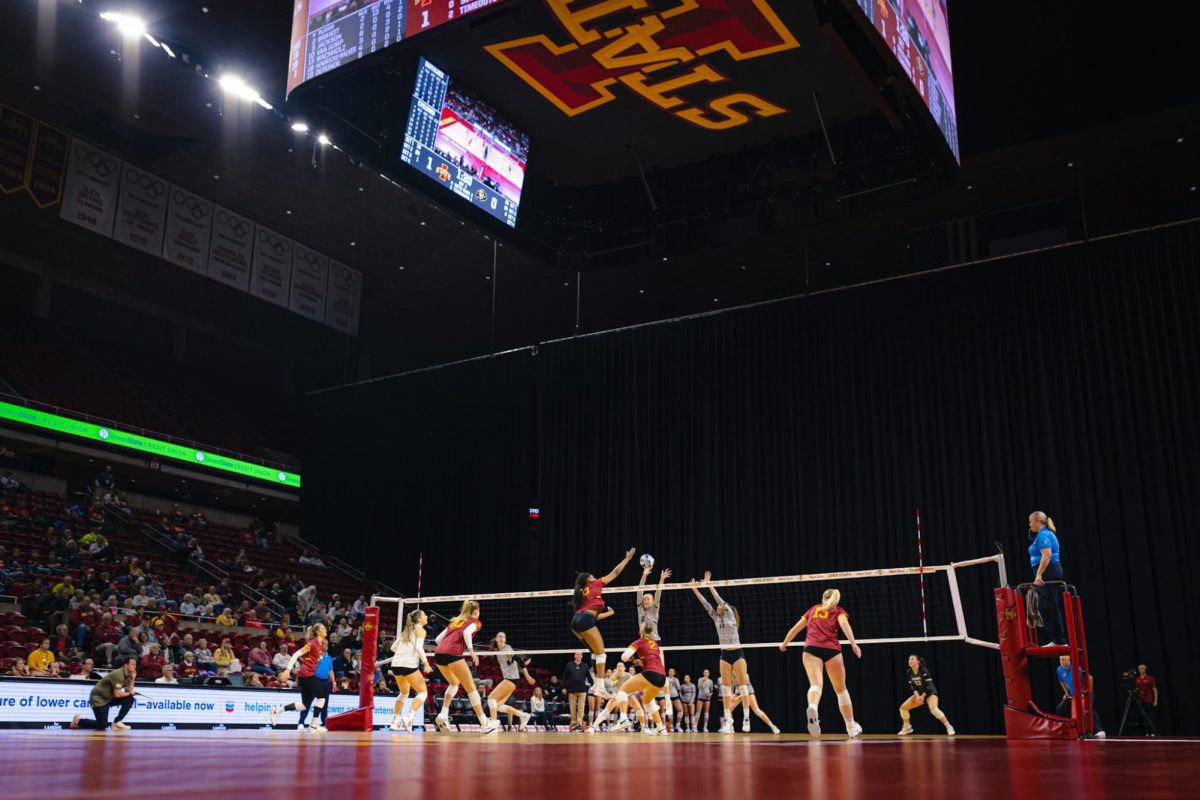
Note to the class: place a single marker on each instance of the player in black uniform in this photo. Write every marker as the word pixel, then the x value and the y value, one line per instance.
pixel 924 692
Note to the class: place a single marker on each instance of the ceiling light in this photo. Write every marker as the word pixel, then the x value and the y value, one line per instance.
pixel 263 103
pixel 167 49
pixel 131 27
pixel 152 40
pixel 234 85
pixel 323 139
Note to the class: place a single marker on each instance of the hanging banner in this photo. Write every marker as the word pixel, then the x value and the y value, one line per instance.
pixel 189 222
pixel 90 195
pixel 345 297
pixel 16 145
pixel 272 273
pixel 47 165
pixel 141 210
pixel 310 278
pixel 231 248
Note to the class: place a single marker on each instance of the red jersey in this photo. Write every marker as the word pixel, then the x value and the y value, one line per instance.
pixel 591 597
pixel 647 650
pixel 453 642
pixel 1145 688
pixel 308 661
pixel 823 630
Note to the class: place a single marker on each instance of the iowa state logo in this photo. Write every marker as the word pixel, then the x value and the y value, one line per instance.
pixel 664 51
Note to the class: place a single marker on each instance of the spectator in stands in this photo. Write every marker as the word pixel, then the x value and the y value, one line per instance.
pixel 188 606
pixel 343 627
pixel 8 482
pixel 84 618
pixel 168 675
pixel 224 655
pixel 129 647
pixel 61 642
pixel 280 661
pixel 42 662
pixel 182 646
pixel 359 609
pixel 197 519
pixel 242 562
pixel 251 680
pixel 195 552
pixel 20 669
pixel 251 620
pixel 537 707
pixel 106 636
pixel 188 668
pixel 164 624
pixel 344 665
pixel 143 640
pixel 204 656
pixel 106 479
pixel 259 658
pixel 152 663
pixel 87 672
pixel 142 598
pixel 227 617
pixel 283 631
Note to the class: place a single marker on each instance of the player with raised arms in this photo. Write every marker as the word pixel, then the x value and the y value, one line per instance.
pixel 733 660
pixel 408 663
pixel 923 693
pixel 314 692
pixel 589 609
pixel 453 642
pixel 512 668
pixel 648 682
pixel 822 645
pixel 648 610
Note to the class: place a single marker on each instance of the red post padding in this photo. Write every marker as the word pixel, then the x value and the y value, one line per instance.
pixel 362 718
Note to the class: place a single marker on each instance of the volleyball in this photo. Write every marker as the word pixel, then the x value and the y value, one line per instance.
pixel 647 561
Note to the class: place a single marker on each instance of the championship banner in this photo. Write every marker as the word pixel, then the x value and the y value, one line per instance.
pixel 47 165
pixel 90 196
pixel 231 248
pixel 310 279
pixel 43 701
pixel 272 273
pixel 189 222
pixel 345 296
pixel 16 145
pixel 141 210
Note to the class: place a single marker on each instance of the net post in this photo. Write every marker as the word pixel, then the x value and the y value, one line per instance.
pixel 362 718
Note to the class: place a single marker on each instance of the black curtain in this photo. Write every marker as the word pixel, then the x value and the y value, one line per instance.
pixel 800 437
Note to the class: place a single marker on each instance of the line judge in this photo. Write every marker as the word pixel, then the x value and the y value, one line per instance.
pixel 114 689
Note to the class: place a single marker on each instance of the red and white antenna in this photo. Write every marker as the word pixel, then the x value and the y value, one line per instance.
pixel 420 569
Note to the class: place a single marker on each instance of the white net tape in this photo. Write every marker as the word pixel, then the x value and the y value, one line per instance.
pixel 884 605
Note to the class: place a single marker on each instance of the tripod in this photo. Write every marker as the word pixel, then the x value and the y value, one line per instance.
pixel 1145 723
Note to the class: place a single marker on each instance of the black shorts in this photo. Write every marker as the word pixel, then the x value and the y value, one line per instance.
pixel 656 678
pixel 445 659
pixel 928 691
pixel 583 621
pixel 400 672
pixel 311 688
pixel 823 653
pixel 731 657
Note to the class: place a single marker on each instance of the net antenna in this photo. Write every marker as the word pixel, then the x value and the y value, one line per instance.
pixel 886 606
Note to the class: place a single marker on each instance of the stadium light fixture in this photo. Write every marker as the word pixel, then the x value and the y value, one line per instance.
pixel 131 27
pixel 323 139
pixel 300 127
pixel 234 85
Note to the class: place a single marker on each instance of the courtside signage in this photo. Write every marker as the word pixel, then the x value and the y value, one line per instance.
pixel 45 701
pixel 131 441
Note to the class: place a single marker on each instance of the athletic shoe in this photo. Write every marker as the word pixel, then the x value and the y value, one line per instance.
pixel 664 732
pixel 814 723
pixel 275 712
pixel 746 725
pixel 491 727
pixel 302 727
pixel 854 731
pixel 120 726
pixel 395 726
pixel 75 721
pixel 623 725
pixel 443 723
pixel 649 730
pixel 588 729
pixel 775 730
pixel 317 729
pixel 949 730
pixel 1101 735
pixel 405 724
pixel 524 721
pixel 906 730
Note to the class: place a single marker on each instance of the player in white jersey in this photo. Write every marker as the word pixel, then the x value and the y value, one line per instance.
pixel 512 668
pixel 408 663
pixel 648 610
pixel 704 693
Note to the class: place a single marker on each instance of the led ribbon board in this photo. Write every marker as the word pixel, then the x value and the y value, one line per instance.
pixel 145 444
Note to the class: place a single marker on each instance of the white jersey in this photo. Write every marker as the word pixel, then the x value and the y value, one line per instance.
pixel 510 665
pixel 408 655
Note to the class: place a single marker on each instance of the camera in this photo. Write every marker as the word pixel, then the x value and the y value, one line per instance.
pixel 1128 680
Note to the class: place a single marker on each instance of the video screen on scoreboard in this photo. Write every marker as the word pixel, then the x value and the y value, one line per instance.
pixel 918 32
pixel 327 34
pixel 463 144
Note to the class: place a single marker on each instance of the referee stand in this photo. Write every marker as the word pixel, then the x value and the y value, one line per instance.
pixel 1018 643
pixel 363 718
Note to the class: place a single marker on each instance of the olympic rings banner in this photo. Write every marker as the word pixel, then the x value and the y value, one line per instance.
pixel 42 701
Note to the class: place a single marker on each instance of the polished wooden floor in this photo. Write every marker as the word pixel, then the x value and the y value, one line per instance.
pixel 240 765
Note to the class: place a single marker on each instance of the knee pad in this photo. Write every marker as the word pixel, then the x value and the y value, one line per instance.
pixel 670 711
pixel 814 690
pixel 473 696
pixel 492 705
pixel 622 697
pixel 319 702
pixel 601 659
pixel 726 691
pixel 743 690
pixel 843 697
pixel 419 700
pixel 937 714
pixel 451 691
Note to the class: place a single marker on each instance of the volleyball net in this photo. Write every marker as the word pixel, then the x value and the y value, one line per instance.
pixel 885 606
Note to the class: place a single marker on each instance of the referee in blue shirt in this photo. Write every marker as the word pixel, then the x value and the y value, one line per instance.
pixel 1043 557
pixel 1067 681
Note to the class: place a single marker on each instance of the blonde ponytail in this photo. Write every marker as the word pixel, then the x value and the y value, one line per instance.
pixel 1050 525
pixel 830 599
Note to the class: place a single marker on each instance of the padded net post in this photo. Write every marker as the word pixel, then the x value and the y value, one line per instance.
pixel 362 718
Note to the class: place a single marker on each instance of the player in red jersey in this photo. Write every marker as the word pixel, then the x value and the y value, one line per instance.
pixel 589 607
pixel 650 681
pixel 455 640
pixel 823 645
pixel 314 692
